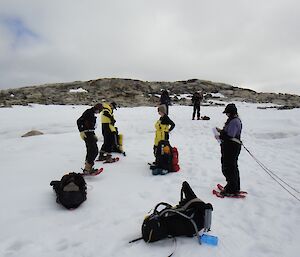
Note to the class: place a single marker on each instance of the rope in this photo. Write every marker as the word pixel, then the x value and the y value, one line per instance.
pixel 175 246
pixel 174 241
pixel 134 240
pixel 274 176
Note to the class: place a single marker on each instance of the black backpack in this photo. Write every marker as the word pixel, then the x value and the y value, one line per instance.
pixel 186 219
pixel 163 156
pixel 70 190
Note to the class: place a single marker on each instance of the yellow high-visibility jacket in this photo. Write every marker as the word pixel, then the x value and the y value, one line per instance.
pixel 163 126
pixel 107 116
pixel 161 133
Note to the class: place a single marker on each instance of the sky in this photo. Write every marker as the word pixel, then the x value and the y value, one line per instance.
pixel 250 44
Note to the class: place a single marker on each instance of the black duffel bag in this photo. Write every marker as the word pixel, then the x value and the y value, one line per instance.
pixel 186 219
pixel 70 190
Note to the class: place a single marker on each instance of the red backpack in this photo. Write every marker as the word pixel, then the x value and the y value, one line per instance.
pixel 175 165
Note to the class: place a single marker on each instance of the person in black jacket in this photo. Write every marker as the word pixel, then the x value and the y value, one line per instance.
pixel 165 99
pixel 86 126
pixel 230 137
pixel 196 100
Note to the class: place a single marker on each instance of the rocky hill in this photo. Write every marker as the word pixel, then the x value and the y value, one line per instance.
pixel 129 93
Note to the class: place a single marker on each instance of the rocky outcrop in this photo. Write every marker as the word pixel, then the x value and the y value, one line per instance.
pixel 129 93
pixel 32 133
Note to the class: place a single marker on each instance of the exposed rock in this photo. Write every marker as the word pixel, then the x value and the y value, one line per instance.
pixel 129 93
pixel 33 133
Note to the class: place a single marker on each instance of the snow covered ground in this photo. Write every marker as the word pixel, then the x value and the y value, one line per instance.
pixel 266 223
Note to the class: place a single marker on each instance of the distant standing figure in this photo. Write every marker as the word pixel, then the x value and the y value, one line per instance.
pixel 86 126
pixel 230 137
pixel 196 100
pixel 165 99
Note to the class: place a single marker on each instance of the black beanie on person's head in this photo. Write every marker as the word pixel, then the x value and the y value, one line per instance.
pixel 230 108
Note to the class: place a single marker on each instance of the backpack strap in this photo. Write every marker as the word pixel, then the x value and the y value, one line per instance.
pixel 186 192
pixel 159 204
pixel 185 206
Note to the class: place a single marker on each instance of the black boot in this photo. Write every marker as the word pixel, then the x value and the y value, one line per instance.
pixel 103 156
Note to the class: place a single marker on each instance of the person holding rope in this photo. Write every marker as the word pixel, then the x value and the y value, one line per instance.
pixel 230 137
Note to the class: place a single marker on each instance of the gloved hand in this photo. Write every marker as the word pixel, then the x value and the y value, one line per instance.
pixel 82 135
pixel 96 138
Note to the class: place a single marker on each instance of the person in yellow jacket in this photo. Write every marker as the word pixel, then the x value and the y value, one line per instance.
pixel 163 126
pixel 109 131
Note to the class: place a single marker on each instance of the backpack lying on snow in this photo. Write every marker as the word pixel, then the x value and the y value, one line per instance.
pixel 186 219
pixel 205 118
pixel 70 190
pixel 166 159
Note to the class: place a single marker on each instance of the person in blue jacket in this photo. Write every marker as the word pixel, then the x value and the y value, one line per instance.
pixel 230 137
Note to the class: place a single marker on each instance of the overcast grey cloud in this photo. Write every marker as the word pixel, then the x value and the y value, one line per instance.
pixel 253 44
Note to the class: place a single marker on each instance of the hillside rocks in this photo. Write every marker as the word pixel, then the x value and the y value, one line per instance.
pixel 129 93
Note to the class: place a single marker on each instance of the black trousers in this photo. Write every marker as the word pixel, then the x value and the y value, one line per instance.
pixel 196 110
pixel 108 138
pixel 230 152
pixel 91 147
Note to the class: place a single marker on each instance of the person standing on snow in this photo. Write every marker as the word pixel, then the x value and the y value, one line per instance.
pixel 86 126
pixel 109 131
pixel 230 137
pixel 163 126
pixel 165 99
pixel 196 99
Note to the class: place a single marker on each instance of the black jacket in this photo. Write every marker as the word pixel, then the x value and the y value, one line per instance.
pixel 87 121
pixel 165 120
pixel 165 98
pixel 197 98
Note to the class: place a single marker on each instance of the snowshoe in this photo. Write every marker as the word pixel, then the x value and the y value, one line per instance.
pixel 221 188
pixel 111 160
pixel 227 195
pixel 103 157
pixel 93 172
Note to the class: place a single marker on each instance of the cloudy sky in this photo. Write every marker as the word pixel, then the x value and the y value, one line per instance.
pixel 246 43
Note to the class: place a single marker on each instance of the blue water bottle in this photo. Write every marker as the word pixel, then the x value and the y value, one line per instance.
pixel 208 239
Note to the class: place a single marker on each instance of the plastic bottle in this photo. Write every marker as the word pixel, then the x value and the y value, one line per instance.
pixel 208 239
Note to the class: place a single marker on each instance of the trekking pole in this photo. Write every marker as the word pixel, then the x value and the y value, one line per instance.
pixel 273 175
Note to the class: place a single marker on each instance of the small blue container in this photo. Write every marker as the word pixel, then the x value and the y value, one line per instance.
pixel 207 239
